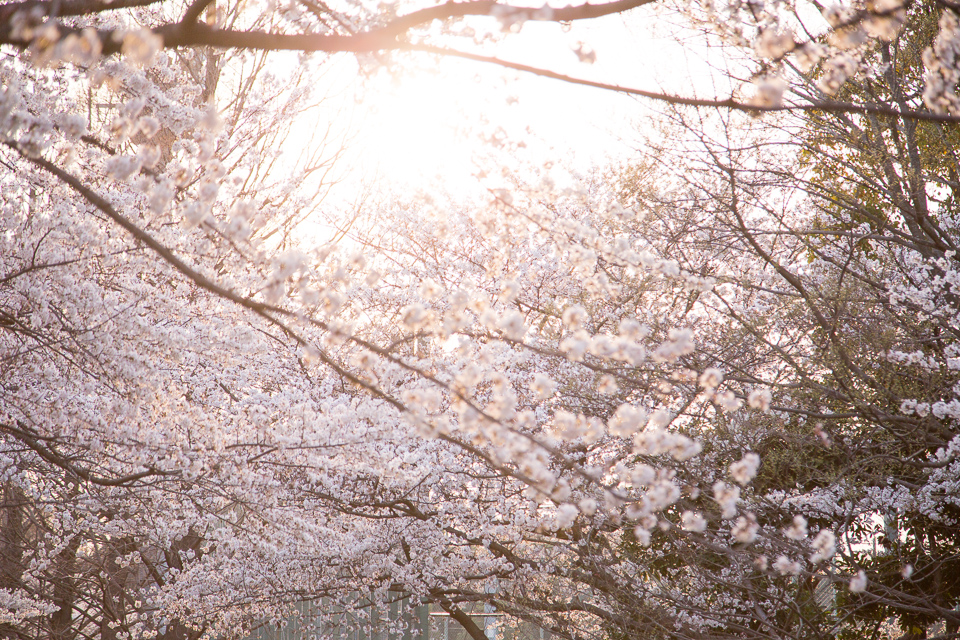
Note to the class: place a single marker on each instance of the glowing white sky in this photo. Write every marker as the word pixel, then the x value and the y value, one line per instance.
pixel 423 124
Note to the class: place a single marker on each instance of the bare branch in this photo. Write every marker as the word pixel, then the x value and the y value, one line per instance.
pixel 832 106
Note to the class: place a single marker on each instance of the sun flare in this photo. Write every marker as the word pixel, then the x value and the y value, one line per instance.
pixel 434 120
pixel 420 126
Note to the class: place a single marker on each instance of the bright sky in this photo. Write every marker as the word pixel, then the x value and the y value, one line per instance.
pixel 428 120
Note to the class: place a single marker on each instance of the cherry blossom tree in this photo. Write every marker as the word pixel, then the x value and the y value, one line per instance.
pixel 678 406
pixel 837 216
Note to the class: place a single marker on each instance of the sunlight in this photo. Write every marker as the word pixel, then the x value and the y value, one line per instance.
pixel 428 120
pixel 417 127
pixel 419 122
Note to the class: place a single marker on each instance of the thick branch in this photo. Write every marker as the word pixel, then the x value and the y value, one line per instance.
pixel 190 33
pixel 68 8
pixel 471 627
pixel 193 12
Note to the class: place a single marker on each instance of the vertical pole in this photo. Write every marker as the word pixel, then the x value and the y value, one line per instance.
pixel 423 615
pixel 393 617
pixel 490 622
pixel 407 619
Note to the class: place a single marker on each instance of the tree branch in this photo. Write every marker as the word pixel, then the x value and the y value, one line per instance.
pixel 55 458
pixel 67 8
pixel 190 33
pixel 831 106
pixel 193 12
